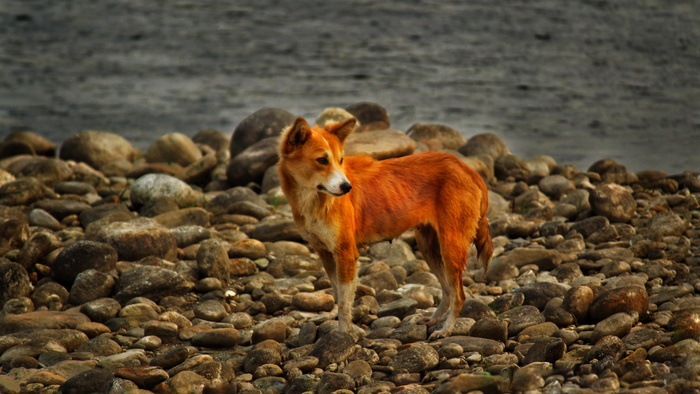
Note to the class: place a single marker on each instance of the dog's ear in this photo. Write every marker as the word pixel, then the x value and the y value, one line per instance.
pixel 343 130
pixel 296 136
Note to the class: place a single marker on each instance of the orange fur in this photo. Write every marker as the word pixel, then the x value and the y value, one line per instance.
pixel 342 203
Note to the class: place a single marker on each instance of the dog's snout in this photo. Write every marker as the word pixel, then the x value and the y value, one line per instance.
pixel 345 187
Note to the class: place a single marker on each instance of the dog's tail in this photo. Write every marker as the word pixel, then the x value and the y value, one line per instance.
pixel 483 243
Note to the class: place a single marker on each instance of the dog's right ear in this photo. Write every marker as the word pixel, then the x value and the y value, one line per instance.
pixel 296 136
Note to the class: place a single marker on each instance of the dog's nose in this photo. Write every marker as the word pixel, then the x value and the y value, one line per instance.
pixel 345 187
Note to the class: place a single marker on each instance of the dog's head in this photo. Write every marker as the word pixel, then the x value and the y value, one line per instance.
pixel 314 156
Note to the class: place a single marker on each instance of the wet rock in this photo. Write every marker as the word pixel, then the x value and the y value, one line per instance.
pixel 250 164
pixel 90 285
pixel 151 282
pixel 173 148
pixel 417 358
pixel 448 137
pixel 98 149
pixel 371 116
pixel 613 201
pixel 23 191
pixel 380 144
pixel 136 239
pixel 15 281
pixel 577 301
pixel 621 299
pixel 152 186
pixel 264 123
pixel 81 256
pixel 685 324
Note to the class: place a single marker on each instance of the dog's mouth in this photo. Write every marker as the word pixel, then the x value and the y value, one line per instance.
pixel 343 190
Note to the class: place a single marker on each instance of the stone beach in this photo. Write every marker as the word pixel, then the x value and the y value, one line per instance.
pixel 179 270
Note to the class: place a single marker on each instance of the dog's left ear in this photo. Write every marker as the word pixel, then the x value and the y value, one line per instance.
pixel 295 136
pixel 343 130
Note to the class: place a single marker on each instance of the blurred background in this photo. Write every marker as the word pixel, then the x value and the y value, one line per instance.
pixel 577 80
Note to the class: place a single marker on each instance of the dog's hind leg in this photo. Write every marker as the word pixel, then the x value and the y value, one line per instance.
pixel 428 243
pixel 454 259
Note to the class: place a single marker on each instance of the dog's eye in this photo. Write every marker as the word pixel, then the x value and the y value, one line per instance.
pixel 341 160
pixel 322 160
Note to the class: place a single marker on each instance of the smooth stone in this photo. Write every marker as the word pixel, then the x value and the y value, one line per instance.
pixel 101 211
pixel 618 325
pixel 448 137
pixel 137 239
pixel 36 248
pixel 41 320
pixel 90 285
pixel 97 148
pixel 100 346
pixel 217 337
pixel 101 309
pixel 484 346
pixel 380 144
pixel 621 299
pixel 685 324
pixel 371 116
pixel 314 302
pixel 545 349
pixel 667 224
pixel 609 346
pixel 90 381
pixel 333 115
pixel 173 148
pixel 213 260
pixel 417 358
pixel 184 217
pixel 264 123
pixel 333 382
pixel 521 318
pixel 165 330
pixel 144 376
pixel 642 338
pixel 222 203
pixel 484 144
pixel 151 186
pixel 186 235
pixel 545 259
pixel 41 218
pixel 249 248
pixel 210 310
pixel 539 293
pixel 531 376
pixel 333 347
pixel 490 328
pixel 250 164
pixel 150 281
pixel 279 229
pixel 263 353
pixel 23 191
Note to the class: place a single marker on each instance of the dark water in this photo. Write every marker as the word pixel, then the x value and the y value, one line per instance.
pixel 577 80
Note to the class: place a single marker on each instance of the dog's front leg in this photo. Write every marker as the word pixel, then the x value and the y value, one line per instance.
pixel 346 273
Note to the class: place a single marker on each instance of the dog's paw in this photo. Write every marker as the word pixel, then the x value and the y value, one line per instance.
pixel 428 321
pixel 439 334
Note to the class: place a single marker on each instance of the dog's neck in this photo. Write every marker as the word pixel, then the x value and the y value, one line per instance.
pixel 306 203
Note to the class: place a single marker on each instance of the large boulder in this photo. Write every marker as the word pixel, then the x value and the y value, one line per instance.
pixel 97 148
pixel 264 123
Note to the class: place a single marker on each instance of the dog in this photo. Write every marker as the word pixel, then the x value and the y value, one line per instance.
pixel 345 203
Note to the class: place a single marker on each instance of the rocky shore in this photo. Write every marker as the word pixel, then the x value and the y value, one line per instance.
pixel 180 270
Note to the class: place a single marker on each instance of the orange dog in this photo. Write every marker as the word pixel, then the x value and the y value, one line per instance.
pixel 345 202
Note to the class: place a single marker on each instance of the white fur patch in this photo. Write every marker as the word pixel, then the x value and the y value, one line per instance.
pixel 336 179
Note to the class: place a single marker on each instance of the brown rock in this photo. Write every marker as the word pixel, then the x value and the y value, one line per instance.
pixel 621 299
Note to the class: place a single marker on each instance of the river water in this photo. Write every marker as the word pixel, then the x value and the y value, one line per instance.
pixel 577 80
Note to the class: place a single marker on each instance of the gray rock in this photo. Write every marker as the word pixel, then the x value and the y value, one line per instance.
pixel 273 230
pixel 546 349
pixel 90 285
pixel 521 318
pixel 618 325
pixel 100 346
pixel 152 186
pixel 136 239
pixel 41 218
pixel 556 186
pixel 264 123
pixel 400 308
pixel 222 203
pixel 410 333
pixel 151 282
pixel 101 310
pixel 250 164
pixel 667 223
pixel 81 256
pixel 484 144
pixel 210 310
pixel 588 226
pixel 96 213
pixel 642 338
pixel 539 293
pixel 187 235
